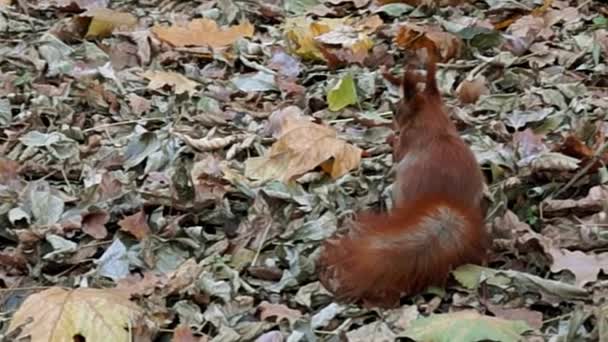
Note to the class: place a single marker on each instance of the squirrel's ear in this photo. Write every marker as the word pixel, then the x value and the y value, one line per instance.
pixel 432 53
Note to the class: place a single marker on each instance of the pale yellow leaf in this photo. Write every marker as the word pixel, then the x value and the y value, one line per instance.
pixel 159 79
pixel 105 20
pixel 59 314
pixel 302 146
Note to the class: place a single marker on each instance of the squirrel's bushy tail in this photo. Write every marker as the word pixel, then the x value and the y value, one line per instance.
pixel 385 256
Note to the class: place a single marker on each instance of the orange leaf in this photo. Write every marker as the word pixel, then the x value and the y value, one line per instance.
pixel 203 32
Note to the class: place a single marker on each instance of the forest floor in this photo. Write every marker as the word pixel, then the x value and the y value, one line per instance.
pixel 138 185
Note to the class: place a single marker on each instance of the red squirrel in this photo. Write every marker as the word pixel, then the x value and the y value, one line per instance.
pixel 437 222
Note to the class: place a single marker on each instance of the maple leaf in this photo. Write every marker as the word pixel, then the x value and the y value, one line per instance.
pixel 59 314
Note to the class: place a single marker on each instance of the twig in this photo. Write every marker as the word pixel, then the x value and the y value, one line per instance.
pixel 582 172
pixel 259 250
pixel 120 123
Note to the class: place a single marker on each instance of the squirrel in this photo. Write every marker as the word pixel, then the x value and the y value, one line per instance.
pixel 437 222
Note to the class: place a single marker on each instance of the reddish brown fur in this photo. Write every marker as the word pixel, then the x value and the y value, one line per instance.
pixel 385 256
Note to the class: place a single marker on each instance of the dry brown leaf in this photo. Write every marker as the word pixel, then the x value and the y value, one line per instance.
pixel 159 79
pixel 105 20
pixel 134 284
pixel 585 267
pixel 94 224
pixel 593 202
pixel 443 46
pixel 279 311
pixel 138 104
pixel 203 32
pixel 59 315
pixel 469 91
pixel 183 276
pixel 184 334
pixel 301 147
pixel 135 224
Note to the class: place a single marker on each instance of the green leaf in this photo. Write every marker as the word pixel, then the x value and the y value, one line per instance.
pixel 395 10
pixel 600 22
pixel 342 94
pixel 299 7
pixel 481 37
pixel 468 275
pixel 465 326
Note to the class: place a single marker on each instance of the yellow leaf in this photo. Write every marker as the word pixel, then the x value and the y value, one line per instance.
pixel 301 147
pixel 105 20
pixel 307 38
pixel 301 32
pixel 58 315
pixel 159 79
pixel 203 32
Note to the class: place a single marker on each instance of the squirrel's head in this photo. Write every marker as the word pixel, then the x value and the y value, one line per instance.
pixel 415 101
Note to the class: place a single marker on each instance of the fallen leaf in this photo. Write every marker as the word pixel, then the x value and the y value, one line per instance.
pixel 379 330
pixel 94 314
pixel 533 318
pixel 335 41
pixel 279 311
pixel 104 21
pixel 343 94
pixel 203 32
pixel 183 334
pixel 135 224
pixel 301 147
pixel 467 325
pixel 94 224
pixel 159 79
pixel 469 91
pixel 585 267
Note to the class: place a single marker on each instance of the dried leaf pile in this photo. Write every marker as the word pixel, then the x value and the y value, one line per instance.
pixel 169 168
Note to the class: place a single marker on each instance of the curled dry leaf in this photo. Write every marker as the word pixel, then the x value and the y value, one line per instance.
pixel 302 146
pixel 206 144
pixel 203 32
pixel 469 91
pixel 443 46
pixel 94 314
pixel 554 161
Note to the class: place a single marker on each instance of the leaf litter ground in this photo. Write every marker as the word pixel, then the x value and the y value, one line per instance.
pixel 161 151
